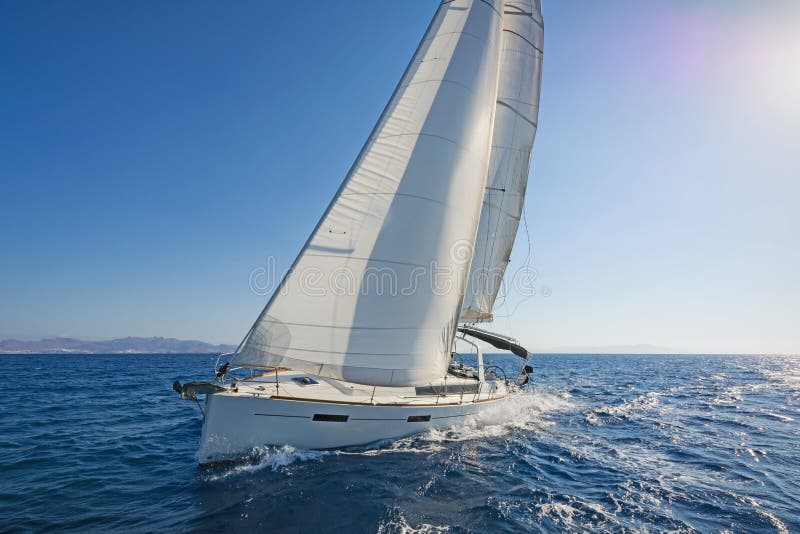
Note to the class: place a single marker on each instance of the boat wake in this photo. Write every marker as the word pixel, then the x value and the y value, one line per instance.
pixel 525 411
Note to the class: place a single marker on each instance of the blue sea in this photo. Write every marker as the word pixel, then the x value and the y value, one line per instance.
pixel 603 443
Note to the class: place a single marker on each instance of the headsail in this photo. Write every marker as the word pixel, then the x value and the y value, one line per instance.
pixel 514 131
pixel 360 302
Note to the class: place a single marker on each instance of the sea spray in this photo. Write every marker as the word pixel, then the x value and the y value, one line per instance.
pixel 266 457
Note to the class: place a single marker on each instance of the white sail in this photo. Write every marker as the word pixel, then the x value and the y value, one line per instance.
pixel 514 131
pixel 365 300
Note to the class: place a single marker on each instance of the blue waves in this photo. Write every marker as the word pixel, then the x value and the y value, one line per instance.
pixel 604 443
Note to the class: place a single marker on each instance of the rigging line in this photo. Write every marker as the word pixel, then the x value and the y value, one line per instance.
pixel 525 263
pixel 489 246
pixel 472 282
pixel 488 249
pixel 486 255
pixel 500 212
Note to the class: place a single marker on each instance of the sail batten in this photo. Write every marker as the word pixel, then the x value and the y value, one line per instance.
pixel 515 125
pixel 360 302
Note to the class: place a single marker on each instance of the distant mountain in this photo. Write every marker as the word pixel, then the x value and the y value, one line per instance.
pixel 612 349
pixel 126 345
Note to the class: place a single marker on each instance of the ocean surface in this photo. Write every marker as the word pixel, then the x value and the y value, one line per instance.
pixel 604 443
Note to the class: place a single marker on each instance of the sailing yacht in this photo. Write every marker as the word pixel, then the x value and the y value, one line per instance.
pixel 357 343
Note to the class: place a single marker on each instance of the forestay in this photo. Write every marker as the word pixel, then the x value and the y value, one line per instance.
pixel 365 300
pixel 514 130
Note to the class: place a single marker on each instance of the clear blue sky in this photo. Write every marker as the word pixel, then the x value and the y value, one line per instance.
pixel 153 154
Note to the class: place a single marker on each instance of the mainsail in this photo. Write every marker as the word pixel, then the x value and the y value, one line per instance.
pixel 365 300
pixel 515 122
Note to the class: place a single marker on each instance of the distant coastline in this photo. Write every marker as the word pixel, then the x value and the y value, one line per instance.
pixel 125 345
pixel 169 345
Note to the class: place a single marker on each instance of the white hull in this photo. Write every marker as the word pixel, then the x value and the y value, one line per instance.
pixel 238 421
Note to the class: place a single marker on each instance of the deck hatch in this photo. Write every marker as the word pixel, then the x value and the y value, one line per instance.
pixel 330 418
pixel 418 418
pixel 305 380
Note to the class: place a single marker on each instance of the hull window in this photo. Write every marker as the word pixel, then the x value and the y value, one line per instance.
pixel 418 418
pixel 330 418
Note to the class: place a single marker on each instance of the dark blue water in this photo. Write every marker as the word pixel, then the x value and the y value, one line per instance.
pixel 607 443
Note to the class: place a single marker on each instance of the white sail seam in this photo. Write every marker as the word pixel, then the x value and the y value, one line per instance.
pixel 397 195
pixel 423 134
pixel 312 325
pixel 442 80
pixel 331 351
pixel 370 259
pixel 476 37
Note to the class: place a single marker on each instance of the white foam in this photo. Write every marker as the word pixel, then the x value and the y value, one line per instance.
pixel 780 526
pixel 558 512
pixel 525 410
pixel 274 458
pixel 643 403
pixel 779 417
pixel 398 523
